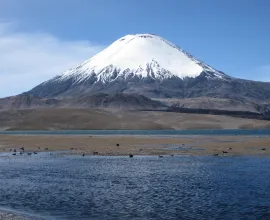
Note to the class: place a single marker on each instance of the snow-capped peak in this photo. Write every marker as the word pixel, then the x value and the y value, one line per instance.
pixel 142 55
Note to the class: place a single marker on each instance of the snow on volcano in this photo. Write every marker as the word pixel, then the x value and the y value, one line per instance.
pixel 141 55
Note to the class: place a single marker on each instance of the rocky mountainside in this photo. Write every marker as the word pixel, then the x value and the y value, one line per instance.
pixel 26 101
pixel 117 101
pixel 113 101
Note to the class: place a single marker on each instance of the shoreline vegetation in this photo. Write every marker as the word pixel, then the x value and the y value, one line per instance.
pixel 124 145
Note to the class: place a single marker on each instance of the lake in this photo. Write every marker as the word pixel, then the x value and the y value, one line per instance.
pixel 145 187
pixel 143 132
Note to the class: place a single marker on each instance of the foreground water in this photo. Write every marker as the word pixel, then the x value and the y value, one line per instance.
pixel 184 187
pixel 143 132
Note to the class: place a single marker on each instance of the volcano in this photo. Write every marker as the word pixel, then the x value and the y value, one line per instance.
pixel 150 66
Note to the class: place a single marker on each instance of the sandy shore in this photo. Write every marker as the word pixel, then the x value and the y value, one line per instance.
pixel 139 145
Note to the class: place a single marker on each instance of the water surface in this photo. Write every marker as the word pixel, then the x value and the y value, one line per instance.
pixel 145 187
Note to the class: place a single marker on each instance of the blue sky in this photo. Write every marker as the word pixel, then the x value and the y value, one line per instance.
pixel 41 38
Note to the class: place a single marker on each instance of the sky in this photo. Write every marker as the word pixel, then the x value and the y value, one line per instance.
pixel 40 39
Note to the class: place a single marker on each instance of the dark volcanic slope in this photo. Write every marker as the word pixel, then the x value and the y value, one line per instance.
pixel 26 101
pixel 170 88
pixel 118 101
pixel 229 104
pixel 229 88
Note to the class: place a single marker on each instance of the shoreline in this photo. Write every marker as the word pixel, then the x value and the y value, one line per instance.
pixel 123 145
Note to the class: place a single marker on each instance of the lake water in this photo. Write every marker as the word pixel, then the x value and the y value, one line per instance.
pixel 182 187
pixel 144 132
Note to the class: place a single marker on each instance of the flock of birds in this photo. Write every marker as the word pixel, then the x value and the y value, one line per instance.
pixel 22 151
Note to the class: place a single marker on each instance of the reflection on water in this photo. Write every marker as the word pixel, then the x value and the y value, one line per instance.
pixel 181 187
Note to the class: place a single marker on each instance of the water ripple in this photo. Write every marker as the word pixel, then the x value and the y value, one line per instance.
pixel 183 187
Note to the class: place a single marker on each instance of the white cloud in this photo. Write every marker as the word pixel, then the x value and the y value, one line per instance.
pixel 27 59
